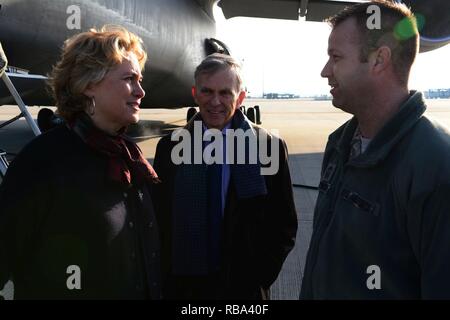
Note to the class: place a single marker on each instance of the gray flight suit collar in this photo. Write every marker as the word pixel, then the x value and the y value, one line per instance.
pixel 390 134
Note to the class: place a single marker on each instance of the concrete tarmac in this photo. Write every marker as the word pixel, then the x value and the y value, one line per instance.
pixel 303 124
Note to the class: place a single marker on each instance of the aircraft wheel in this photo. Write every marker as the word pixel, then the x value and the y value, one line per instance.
pixel 258 115
pixel 44 119
pixel 47 119
pixel 190 113
pixel 251 115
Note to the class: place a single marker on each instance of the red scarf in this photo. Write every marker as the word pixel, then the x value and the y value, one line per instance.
pixel 126 163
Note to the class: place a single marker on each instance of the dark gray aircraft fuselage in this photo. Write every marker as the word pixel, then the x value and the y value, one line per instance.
pixel 174 32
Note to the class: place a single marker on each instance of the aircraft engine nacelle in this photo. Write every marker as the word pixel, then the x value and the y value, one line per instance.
pixel 436 28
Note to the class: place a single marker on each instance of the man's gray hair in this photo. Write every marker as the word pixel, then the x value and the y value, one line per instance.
pixel 216 62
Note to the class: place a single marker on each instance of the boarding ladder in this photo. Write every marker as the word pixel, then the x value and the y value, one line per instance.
pixel 23 110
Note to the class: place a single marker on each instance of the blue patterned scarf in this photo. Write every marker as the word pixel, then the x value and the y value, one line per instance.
pixel 190 217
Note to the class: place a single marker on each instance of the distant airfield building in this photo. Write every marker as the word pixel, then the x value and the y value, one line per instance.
pixel 280 96
pixel 437 94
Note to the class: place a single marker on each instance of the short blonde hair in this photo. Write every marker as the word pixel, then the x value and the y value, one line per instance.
pixel 85 60
pixel 399 31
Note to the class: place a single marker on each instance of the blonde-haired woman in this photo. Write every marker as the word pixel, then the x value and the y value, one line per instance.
pixel 76 216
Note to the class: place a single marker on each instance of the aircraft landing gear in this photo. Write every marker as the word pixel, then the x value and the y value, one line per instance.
pixel 47 119
pixel 258 115
pixel 190 113
pixel 251 115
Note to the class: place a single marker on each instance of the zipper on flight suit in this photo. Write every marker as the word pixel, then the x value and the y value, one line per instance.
pixel 325 186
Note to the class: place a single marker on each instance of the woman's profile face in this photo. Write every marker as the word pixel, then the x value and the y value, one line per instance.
pixel 118 96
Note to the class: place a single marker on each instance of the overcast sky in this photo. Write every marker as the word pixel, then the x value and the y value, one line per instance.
pixel 287 56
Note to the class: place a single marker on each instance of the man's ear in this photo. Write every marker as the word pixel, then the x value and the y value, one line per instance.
pixel 194 93
pixel 381 59
pixel 241 97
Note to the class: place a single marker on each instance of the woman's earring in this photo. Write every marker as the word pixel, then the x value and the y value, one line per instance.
pixel 92 107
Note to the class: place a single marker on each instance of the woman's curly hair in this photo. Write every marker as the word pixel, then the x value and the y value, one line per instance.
pixel 85 60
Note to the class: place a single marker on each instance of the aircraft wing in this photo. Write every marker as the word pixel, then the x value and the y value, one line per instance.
pixel 435 32
pixel 314 10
